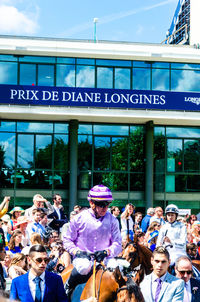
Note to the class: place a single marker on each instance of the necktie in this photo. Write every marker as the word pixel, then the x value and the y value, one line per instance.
pixel 158 288
pixel 186 294
pixel 38 293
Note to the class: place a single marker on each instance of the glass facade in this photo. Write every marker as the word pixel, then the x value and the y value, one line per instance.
pixel 96 73
pixel 177 163
pixel 34 155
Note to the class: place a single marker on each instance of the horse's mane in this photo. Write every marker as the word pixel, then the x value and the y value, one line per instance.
pixel 133 288
pixel 145 250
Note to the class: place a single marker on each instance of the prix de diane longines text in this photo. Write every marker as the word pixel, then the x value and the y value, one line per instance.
pixel 86 97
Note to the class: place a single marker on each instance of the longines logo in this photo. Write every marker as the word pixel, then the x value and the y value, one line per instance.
pixel 193 100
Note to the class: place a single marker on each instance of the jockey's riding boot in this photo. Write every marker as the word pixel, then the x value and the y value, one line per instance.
pixel 74 279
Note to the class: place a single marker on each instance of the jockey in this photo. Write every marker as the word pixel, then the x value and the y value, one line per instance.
pixel 173 234
pixel 92 231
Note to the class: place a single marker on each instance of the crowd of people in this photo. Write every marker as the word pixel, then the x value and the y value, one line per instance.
pixel 38 243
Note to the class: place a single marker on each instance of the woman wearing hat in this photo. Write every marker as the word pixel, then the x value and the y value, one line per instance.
pixel 94 230
pixel 16 212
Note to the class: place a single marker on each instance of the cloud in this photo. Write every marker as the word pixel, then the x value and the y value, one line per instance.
pixel 14 21
pixel 113 17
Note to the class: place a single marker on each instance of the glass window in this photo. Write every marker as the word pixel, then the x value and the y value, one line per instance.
pixel 46 75
pixel 43 152
pixel 35 127
pixel 8 73
pixel 7 126
pixel 25 151
pixel 61 152
pixel 160 65
pixel 183 132
pixel 159 150
pixel 120 153
pixel 160 79
pixel 8 58
pixel 37 59
pixel 7 150
pixel 35 179
pixel 185 80
pixel 102 153
pixel 141 78
pixel 104 77
pixel 6 179
pixel 27 74
pixel 101 62
pixel 184 183
pixel 122 78
pixel 60 180
pixel 85 152
pixel 185 66
pixel 136 149
pixel 85 76
pixel 61 128
pixel 84 180
pixel 159 131
pixel 141 64
pixel 115 181
pixel 111 129
pixel 65 75
pixel 191 155
pixel 174 155
pixel 137 182
pixel 84 61
pixel 85 129
pixel 66 60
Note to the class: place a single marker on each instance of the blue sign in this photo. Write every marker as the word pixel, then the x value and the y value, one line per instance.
pixel 94 97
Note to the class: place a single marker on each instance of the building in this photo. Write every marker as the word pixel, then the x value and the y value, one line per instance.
pixel 185 24
pixel 78 113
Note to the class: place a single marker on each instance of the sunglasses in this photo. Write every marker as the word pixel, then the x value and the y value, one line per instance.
pixel 187 272
pixel 40 260
pixel 102 204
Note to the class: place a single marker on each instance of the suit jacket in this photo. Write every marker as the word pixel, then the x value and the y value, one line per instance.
pixel 172 289
pixel 54 289
pixel 195 289
pixel 57 223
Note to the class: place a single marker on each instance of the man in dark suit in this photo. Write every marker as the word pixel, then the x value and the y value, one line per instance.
pixel 183 270
pixel 58 215
pixel 38 285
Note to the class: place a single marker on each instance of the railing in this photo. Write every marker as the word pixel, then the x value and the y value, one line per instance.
pixel 173 36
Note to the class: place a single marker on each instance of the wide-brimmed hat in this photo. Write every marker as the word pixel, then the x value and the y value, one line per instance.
pixel 21 220
pixel 5 218
pixel 16 209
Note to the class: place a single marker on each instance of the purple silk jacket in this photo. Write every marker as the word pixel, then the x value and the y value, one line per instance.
pixel 90 234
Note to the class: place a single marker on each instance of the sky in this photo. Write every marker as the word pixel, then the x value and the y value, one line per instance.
pixel 129 20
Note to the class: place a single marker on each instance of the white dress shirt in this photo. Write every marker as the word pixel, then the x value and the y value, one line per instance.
pixel 187 292
pixel 57 211
pixel 32 284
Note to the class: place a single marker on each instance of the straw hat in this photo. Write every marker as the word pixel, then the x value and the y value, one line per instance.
pixel 16 209
pixel 21 220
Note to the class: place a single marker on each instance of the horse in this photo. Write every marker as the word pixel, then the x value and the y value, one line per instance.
pixel 139 257
pixel 120 288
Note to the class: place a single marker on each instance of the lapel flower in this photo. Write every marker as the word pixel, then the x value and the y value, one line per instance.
pixel 194 289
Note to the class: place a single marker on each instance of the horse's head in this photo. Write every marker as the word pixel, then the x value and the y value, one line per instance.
pixel 130 253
